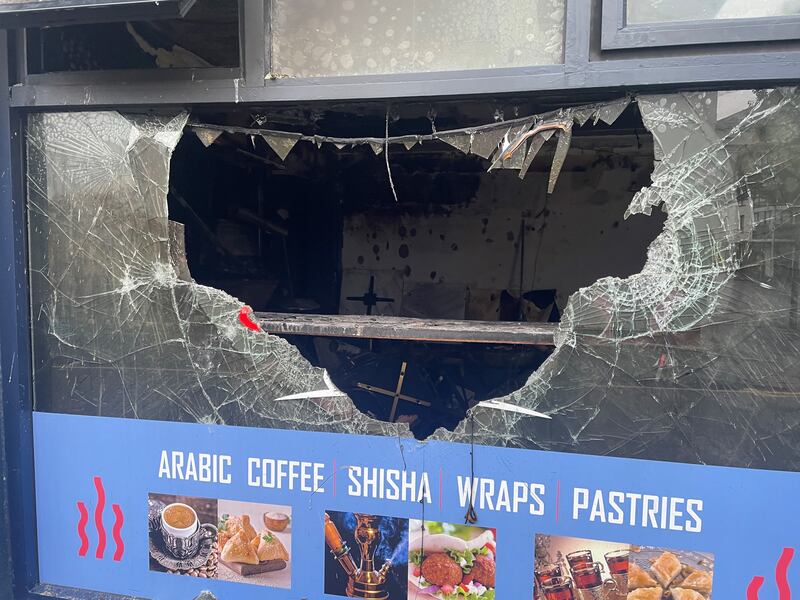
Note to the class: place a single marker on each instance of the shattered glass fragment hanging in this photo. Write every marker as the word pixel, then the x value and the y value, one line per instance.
pixel 207 136
pixel 562 147
pixel 512 145
pixel 609 113
pixel 281 144
pixel 536 144
pixel 459 141
pixel 514 160
pixel 486 141
pixel 582 115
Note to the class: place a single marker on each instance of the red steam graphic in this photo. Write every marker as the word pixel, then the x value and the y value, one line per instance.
pixel 781 578
pixel 246 320
pixel 98 517
pixel 82 529
pixel 116 532
pixel 119 519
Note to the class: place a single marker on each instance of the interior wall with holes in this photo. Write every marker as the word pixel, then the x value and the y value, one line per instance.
pixel 448 251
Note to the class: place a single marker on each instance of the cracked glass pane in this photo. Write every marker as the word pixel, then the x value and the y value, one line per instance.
pixel 318 38
pixel 692 359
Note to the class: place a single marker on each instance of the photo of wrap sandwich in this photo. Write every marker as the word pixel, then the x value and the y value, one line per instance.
pixel 451 562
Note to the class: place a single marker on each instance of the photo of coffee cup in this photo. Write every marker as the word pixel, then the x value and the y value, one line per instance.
pixel 181 530
pixel 179 519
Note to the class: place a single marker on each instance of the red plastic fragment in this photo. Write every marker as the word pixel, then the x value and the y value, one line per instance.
pixel 246 320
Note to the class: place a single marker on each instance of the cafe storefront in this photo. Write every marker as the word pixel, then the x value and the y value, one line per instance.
pixel 399 299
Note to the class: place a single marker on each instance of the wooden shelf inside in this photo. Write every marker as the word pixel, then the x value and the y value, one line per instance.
pixel 405 328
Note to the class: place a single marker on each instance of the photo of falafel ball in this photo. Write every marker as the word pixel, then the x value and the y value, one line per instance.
pixel 439 569
pixel 483 571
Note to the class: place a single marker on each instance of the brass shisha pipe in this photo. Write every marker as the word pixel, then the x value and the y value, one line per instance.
pixel 363 581
pixel 339 548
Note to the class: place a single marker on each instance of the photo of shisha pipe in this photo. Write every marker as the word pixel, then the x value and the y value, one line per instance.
pixel 450 562
pixel 365 556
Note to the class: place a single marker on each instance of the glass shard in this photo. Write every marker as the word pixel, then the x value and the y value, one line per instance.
pixel 562 147
pixel 610 112
pixel 486 141
pixel 207 136
pixel 535 145
pixel 459 141
pixel 281 144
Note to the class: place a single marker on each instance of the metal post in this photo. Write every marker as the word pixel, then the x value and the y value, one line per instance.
pixel 14 355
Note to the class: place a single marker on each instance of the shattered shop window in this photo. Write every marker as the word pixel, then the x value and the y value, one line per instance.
pixel 208 36
pixel 618 278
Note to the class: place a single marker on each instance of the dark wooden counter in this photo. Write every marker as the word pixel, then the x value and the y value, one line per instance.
pixel 405 328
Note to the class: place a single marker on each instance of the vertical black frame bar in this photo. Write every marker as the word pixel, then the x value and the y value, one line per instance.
pixel 254 41
pixel 15 343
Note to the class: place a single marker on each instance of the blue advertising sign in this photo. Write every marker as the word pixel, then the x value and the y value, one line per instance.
pixel 167 510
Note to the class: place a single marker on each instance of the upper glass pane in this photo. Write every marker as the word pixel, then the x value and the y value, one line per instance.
pixel 318 38
pixel 23 13
pixel 207 37
pixel 665 11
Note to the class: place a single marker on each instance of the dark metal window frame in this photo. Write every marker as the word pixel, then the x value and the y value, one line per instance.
pixel 585 66
pixel 618 34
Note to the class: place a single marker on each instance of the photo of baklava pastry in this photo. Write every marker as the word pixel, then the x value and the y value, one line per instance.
pixel 669 574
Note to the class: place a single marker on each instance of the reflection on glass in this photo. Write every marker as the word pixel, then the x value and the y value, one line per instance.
pixel 359 37
pixel 666 11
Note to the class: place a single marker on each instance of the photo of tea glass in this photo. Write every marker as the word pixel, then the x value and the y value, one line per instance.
pixel 585 572
pixel 558 588
pixel 617 561
pixel 546 572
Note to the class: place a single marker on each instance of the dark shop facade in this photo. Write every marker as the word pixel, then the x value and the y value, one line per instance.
pixel 400 299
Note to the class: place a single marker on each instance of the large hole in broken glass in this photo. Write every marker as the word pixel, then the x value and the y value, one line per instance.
pixel 426 288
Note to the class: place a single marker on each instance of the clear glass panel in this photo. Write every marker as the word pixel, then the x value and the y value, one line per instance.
pixel 317 38
pixel 666 11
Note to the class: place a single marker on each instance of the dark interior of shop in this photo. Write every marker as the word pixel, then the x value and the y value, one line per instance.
pixel 322 233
